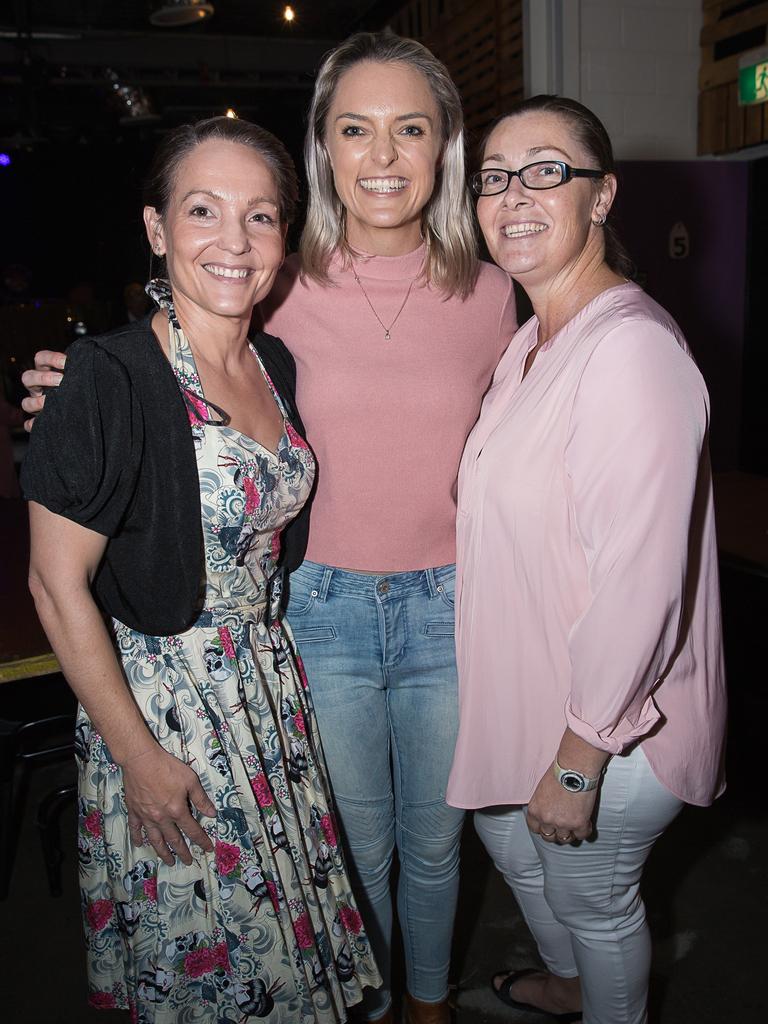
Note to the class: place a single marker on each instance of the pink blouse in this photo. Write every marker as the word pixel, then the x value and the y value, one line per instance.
pixel 587 591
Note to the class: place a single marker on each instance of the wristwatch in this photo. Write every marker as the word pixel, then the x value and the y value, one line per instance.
pixel 573 781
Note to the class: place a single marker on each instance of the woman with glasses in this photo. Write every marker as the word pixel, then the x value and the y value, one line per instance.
pixel 588 629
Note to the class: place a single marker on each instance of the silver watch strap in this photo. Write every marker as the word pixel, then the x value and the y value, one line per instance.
pixel 588 782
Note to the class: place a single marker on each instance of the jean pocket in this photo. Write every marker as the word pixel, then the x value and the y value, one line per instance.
pixel 439 629
pixel 312 634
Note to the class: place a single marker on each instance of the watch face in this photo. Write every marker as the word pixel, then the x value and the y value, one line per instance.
pixel 572 781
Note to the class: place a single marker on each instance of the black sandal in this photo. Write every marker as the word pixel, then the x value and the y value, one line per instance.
pixel 503 992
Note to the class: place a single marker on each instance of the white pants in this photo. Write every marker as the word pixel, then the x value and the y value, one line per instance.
pixel 582 902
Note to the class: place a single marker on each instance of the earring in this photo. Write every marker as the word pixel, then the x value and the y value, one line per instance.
pixel 599 221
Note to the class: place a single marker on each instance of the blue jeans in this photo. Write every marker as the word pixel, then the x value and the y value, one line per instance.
pixel 380 660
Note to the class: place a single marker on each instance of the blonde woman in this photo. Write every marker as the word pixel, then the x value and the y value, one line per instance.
pixel 395 328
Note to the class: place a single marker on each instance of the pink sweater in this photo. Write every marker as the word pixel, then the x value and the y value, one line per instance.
pixel 587 591
pixel 388 419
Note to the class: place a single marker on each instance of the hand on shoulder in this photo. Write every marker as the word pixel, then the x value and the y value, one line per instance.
pixel 46 374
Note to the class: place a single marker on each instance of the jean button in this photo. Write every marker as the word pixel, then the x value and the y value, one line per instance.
pixel 383 587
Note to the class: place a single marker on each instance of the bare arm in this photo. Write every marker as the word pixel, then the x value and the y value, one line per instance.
pixel 158 787
pixel 46 374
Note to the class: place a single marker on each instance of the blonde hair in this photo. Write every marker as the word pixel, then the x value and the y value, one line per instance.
pixel 448 223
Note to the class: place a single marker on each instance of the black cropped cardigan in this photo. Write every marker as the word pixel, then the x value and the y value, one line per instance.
pixel 113 451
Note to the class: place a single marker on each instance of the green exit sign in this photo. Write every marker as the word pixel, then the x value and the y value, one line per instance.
pixel 753 77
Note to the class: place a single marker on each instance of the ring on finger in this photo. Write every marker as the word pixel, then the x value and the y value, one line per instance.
pixel 547 835
pixel 567 838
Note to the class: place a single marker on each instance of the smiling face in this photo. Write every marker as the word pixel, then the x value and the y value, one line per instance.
pixel 384 140
pixel 221 233
pixel 536 234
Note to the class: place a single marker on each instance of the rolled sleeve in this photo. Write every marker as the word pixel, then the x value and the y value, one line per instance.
pixel 633 456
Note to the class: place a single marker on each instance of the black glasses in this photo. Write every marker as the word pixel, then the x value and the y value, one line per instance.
pixel 492 181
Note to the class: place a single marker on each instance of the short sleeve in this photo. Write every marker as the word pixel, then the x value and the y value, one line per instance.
pixel 85 446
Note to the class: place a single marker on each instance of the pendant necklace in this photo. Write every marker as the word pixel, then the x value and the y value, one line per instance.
pixel 387 330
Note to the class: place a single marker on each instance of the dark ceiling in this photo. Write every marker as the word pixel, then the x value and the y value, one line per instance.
pixel 69 67
pixel 327 19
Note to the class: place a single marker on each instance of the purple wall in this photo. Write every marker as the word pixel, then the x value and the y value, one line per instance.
pixel 705 291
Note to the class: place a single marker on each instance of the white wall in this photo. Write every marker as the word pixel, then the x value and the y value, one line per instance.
pixel 634 62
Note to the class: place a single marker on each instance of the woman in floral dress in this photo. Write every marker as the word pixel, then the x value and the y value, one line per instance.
pixel 213 886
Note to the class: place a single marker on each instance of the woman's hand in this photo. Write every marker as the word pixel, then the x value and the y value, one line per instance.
pixel 558 816
pixel 46 374
pixel 159 789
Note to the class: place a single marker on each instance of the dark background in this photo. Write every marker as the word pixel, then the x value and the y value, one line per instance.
pixel 71 195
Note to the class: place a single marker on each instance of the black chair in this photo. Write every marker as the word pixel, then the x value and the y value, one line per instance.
pixel 26 741
pixel 48 811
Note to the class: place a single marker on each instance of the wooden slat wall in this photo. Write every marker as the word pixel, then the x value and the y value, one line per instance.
pixel 724 126
pixel 481 44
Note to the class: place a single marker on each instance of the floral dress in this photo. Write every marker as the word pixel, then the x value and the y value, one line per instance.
pixel 265 926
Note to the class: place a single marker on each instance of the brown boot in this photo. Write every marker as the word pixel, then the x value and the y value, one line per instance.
pixel 419 1012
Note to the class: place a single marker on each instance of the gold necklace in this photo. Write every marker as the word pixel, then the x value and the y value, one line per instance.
pixel 387 330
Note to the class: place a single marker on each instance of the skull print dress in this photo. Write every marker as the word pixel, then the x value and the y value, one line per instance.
pixel 265 926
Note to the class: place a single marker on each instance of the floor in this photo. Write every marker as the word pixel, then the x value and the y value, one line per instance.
pixel 706 889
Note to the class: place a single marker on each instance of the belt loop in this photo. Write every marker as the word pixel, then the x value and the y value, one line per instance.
pixel 325 582
pixel 431 582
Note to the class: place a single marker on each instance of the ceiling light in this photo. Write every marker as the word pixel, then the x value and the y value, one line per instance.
pixel 231 113
pixel 132 103
pixel 289 14
pixel 173 13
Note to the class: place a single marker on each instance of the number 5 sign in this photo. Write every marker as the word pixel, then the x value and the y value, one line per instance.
pixel 679 243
